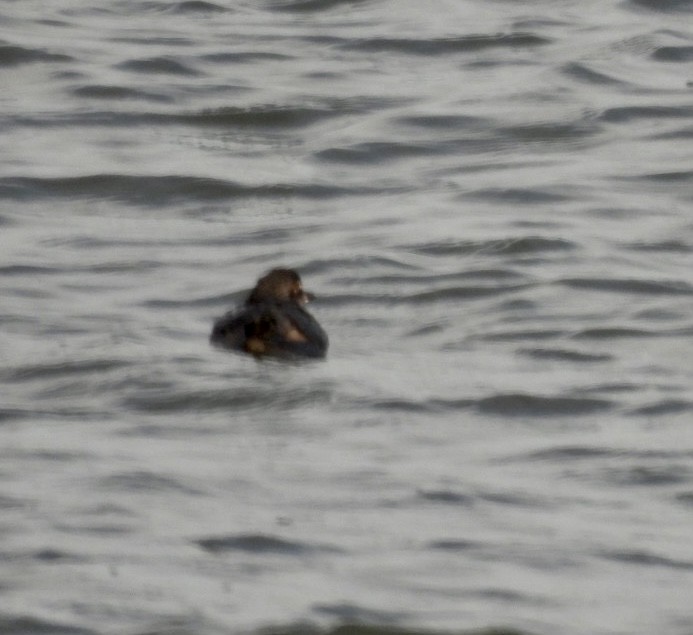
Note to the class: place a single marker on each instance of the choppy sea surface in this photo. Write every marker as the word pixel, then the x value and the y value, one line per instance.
pixel 493 202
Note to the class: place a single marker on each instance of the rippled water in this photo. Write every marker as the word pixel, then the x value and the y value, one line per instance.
pixel 492 202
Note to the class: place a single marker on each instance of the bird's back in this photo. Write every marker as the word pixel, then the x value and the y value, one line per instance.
pixel 276 329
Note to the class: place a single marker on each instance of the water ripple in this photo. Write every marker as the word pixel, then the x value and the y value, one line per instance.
pixel 155 191
pixel 141 481
pixel 652 287
pixel 355 614
pixel 565 355
pixel 367 627
pixel 668 6
pixel 626 114
pixel 445 46
pixel 673 176
pixel 111 92
pixel 493 203
pixel 48 370
pixel 15 55
pixel 158 66
pixel 262 116
pixel 447 496
pixel 515 404
pixel 664 407
pixel 158 401
pixel 379 151
pixel 300 6
pixel 583 73
pixel 261 544
pixel 33 626
pixel 520 245
pixel 674 54
pixel 510 404
pixel 519 196
pixel 612 332
pixel 193 6
pixel 646 559
pixel 665 246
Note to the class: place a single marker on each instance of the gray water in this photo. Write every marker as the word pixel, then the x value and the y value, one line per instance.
pixel 491 200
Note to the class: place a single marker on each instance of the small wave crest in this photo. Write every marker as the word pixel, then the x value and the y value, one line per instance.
pixel 261 544
pixel 153 190
pixel 34 626
pixel 507 405
pixel 15 55
pixel 445 46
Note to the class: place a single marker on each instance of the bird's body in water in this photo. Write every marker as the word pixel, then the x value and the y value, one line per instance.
pixel 273 321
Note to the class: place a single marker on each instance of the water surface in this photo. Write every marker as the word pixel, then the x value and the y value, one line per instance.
pixel 491 201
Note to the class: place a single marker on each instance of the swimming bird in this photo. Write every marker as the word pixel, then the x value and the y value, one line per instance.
pixel 273 321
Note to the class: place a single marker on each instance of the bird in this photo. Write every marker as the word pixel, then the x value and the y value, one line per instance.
pixel 272 321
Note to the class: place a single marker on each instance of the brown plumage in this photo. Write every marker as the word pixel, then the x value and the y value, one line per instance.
pixel 273 321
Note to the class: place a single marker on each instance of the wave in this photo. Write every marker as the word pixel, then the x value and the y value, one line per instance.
pixel 571 453
pixel 503 246
pixel 381 151
pixel 582 72
pixel 612 332
pixel 243 57
pixel 565 355
pixel 443 122
pixel 519 404
pixel 193 6
pixel 370 627
pixel 300 6
pixel 626 114
pixel 261 544
pixel 158 66
pixel 664 407
pixel 551 132
pixel 140 481
pixel 519 196
pixel 504 404
pixel 49 370
pixel 165 401
pixel 112 92
pixel 445 46
pixel 628 285
pixel 674 176
pixel 645 558
pixel 270 116
pixel 448 497
pixel 665 246
pixel 154 190
pixel 665 6
pixel 32 626
pixel 673 54
pixel 15 55
pixel 452 497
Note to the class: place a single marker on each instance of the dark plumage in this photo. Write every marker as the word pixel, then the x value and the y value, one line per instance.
pixel 273 321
